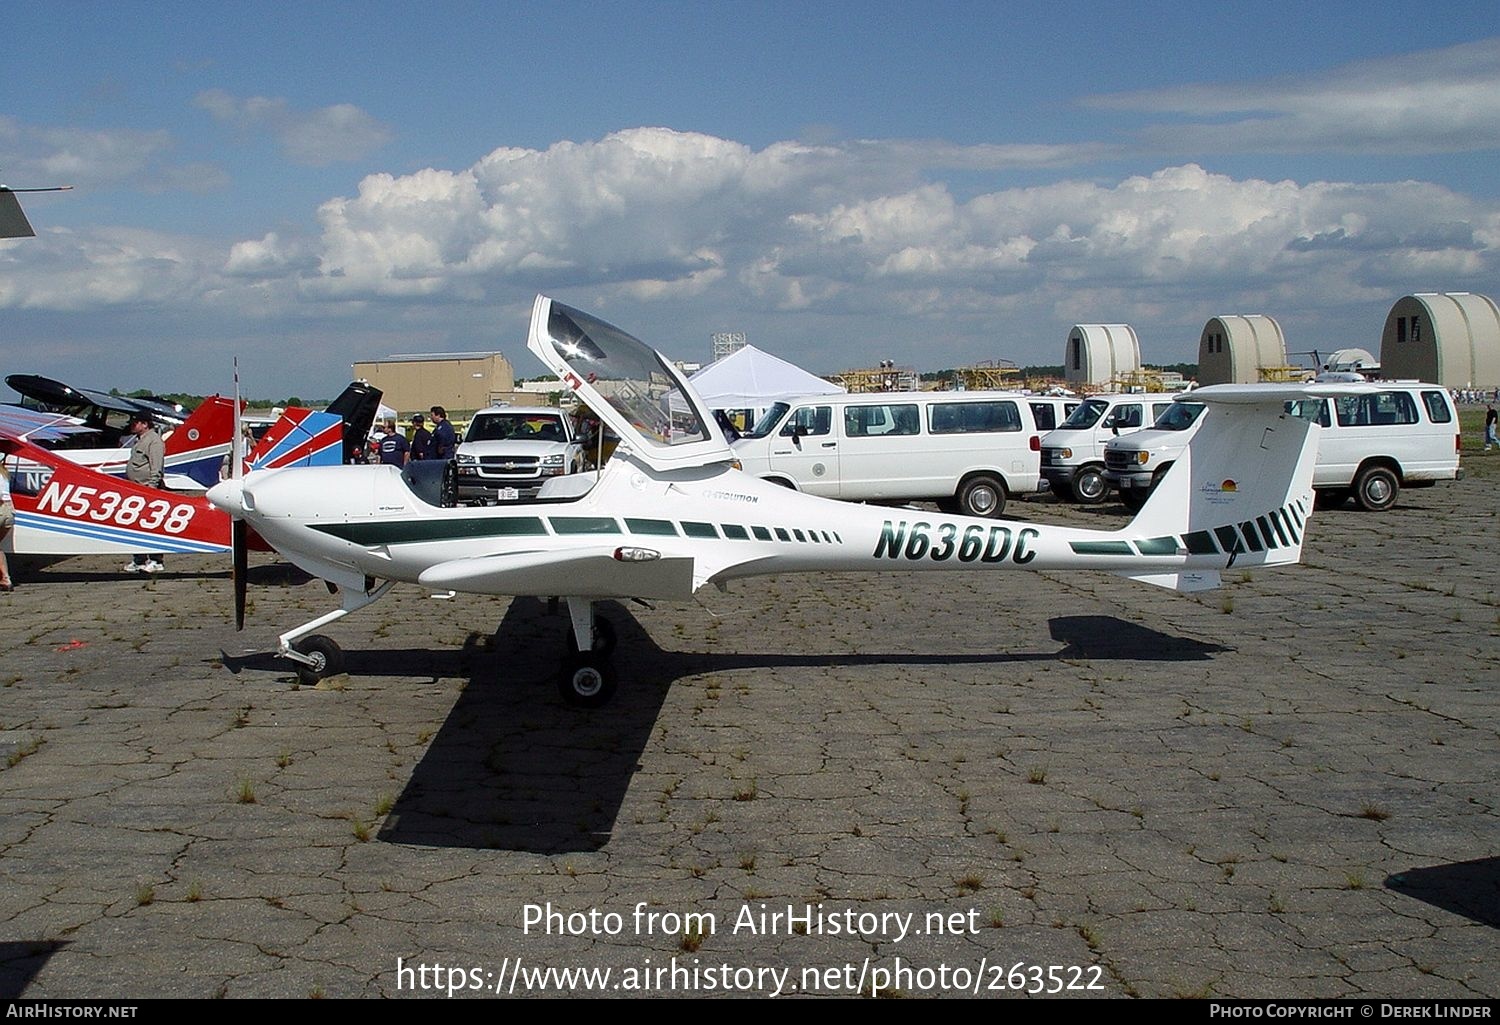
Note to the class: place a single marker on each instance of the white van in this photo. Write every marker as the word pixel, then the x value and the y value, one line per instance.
pixel 967 451
pixel 1372 445
pixel 1073 455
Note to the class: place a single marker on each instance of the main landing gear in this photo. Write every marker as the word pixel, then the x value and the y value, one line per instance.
pixel 587 677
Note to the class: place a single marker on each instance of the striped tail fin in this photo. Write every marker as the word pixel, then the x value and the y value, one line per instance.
pixel 1242 491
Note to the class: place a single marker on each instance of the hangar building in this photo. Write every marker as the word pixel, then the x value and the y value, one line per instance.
pixel 1098 353
pixel 1235 349
pixel 414 382
pixel 1448 338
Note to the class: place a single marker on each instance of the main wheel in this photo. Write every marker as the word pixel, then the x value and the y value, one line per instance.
pixel 1089 485
pixel 587 681
pixel 604 637
pixel 1376 488
pixel 327 656
pixel 981 495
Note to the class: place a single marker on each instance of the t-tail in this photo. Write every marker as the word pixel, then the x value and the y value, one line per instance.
pixel 1242 490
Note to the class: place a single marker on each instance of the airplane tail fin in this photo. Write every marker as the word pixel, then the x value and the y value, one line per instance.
pixel 357 405
pixel 1243 488
pixel 300 438
pixel 197 448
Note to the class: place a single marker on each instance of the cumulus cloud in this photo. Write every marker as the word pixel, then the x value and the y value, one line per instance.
pixel 654 214
pixel 314 138
pixel 90 158
pixel 1435 101
pixel 69 271
pixel 651 220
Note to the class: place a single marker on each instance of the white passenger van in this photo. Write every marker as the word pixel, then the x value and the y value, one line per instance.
pixel 967 451
pixel 1372 444
pixel 1073 455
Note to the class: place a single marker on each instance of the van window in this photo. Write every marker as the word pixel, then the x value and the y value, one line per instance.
pixel 1086 415
pixel 1311 410
pixel 1382 408
pixel 879 421
pixel 814 420
pixel 1179 416
pixel 1044 413
pixel 974 417
pixel 1437 407
pixel 1125 415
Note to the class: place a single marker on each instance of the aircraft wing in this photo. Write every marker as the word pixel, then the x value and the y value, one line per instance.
pixel 577 572
pixel 37 426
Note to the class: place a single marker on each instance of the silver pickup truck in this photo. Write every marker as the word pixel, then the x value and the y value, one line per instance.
pixel 508 452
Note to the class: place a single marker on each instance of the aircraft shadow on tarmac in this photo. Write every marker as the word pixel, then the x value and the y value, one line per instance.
pixel 514 768
pixel 1467 888
pixel 20 961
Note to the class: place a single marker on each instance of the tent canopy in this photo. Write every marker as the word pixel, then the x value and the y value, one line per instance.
pixel 751 379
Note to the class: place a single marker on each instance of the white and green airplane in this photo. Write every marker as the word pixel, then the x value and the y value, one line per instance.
pixel 670 512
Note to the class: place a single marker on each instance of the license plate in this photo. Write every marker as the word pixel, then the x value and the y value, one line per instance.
pixel 508 494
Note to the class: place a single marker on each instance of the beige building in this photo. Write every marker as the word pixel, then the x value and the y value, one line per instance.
pixel 1097 354
pixel 1235 349
pixel 455 380
pixel 1447 338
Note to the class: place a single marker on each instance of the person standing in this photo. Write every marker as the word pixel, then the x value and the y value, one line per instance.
pixel 1489 427
pixel 394 449
pixel 421 439
pixel 147 465
pixel 444 442
pixel 7 523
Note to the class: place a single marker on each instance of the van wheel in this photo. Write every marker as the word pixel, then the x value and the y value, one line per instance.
pixel 1133 498
pixel 981 495
pixel 1376 488
pixel 1089 485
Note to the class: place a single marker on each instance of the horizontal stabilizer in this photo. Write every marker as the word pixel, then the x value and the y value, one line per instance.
pixel 584 573
pixel 1186 580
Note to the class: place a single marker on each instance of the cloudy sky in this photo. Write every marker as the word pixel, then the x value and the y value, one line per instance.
pixel 934 182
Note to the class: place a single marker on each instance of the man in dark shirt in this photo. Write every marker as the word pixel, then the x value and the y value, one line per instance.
pixel 444 442
pixel 421 439
pixel 393 447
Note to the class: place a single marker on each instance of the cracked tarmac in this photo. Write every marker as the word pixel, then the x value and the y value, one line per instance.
pixel 1283 788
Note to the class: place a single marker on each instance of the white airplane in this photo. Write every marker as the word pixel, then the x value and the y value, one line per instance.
pixel 670 513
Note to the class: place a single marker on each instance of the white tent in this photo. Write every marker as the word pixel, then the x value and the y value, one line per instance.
pixel 750 379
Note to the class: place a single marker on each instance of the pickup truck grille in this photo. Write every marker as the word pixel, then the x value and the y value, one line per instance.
pixel 508 466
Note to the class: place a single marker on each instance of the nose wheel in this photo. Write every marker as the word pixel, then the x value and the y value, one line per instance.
pixel 322 658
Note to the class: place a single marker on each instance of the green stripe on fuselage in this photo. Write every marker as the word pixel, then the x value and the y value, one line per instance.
pixel 584 524
pixel 1101 548
pixel 397 532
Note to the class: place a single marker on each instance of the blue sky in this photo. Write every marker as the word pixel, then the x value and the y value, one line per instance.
pixel 936 183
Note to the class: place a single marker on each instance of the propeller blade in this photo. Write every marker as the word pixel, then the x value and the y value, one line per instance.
pixel 240 538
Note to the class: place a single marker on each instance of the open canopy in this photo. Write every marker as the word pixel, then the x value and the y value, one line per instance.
pixel 626 383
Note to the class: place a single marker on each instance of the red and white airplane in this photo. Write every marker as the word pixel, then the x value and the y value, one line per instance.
pixel 71 506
